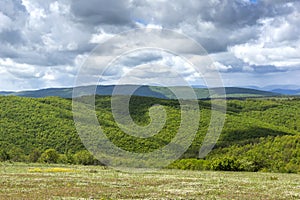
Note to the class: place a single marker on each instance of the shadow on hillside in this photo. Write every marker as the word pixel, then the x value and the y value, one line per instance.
pixel 248 136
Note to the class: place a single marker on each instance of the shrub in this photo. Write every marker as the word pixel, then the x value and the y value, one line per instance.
pixel 4 156
pixel 189 164
pixel 226 164
pixel 291 168
pixel 34 155
pixel 49 156
pixel 67 158
pixel 84 157
pixel 16 154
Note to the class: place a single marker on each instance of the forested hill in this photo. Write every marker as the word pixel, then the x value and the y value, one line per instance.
pixel 259 134
pixel 147 91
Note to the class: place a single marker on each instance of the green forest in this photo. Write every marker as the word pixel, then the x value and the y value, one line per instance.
pixel 260 134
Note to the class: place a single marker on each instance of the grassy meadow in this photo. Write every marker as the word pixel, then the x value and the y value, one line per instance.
pixel 54 181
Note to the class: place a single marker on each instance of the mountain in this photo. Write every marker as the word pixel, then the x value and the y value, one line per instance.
pixel 101 90
pixel 287 91
pixel 59 92
pixel 148 91
pixel 5 93
pixel 281 89
pixel 274 87
pixel 245 92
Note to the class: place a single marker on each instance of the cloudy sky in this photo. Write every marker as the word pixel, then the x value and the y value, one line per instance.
pixel 251 42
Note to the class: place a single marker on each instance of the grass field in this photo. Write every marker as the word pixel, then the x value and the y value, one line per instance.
pixel 39 181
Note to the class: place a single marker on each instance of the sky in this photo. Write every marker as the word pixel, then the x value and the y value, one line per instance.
pixel 44 43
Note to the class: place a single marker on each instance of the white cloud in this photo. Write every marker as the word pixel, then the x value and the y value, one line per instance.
pixel 150 25
pixel 43 42
pixel 219 66
pixel 100 37
pixel 5 22
pixel 277 45
pixel 257 54
pixel 49 77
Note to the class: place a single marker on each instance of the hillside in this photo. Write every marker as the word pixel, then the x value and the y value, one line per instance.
pixel 148 91
pixel 259 134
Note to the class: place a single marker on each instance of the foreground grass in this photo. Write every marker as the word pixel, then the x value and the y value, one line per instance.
pixel 37 181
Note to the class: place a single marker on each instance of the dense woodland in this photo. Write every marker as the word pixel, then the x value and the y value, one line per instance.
pixel 259 134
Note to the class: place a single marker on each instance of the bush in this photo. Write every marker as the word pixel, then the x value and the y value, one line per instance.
pixel 291 168
pixel 49 156
pixel 16 154
pixel 189 164
pixel 4 156
pixel 226 164
pixel 34 155
pixel 84 158
pixel 62 158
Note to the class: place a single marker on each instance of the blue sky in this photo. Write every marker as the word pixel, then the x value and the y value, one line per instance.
pixel 252 42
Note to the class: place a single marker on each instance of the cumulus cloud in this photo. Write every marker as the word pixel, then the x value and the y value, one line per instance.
pixel 278 43
pixel 43 41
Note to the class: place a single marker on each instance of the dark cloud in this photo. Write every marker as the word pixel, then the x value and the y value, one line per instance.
pixel 215 24
pixel 229 13
pixel 11 37
pixel 140 58
pixel 237 13
pixel 267 69
pixel 12 8
pixel 97 12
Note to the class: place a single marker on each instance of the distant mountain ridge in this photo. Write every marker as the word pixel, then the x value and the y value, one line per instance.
pixel 149 91
pixel 287 91
pixel 281 89
pixel 5 93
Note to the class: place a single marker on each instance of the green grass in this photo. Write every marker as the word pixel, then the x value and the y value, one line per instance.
pixel 40 181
